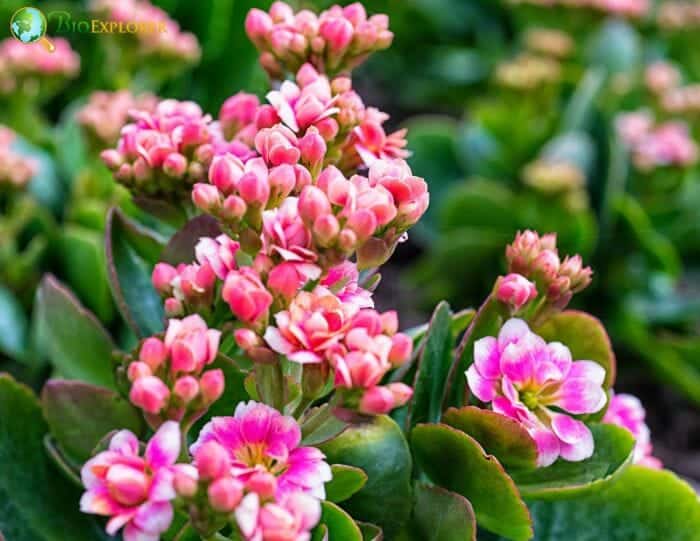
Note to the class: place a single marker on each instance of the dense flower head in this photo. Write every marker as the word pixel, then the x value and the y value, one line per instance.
pixel 652 146
pixel 161 36
pixel 134 491
pixel 165 151
pixel 626 410
pixel 537 258
pixel 169 376
pixel 15 170
pixel 106 113
pixel 337 40
pixel 539 385
pixel 31 68
pixel 186 288
pixel 291 518
pixel 259 439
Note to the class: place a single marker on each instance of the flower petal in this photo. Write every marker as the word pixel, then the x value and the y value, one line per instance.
pixel 484 389
pixel 589 370
pixel 486 357
pixel 125 443
pixel 576 438
pixel 512 331
pixel 154 517
pixel 578 396
pixel 164 447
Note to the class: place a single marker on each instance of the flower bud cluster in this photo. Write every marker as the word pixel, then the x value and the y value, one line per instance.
pixel 15 170
pixel 169 377
pixel 337 40
pixel 536 258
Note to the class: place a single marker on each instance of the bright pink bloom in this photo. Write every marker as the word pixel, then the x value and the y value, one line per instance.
pixel 343 280
pixel 219 253
pixel 627 411
pixel 246 295
pixel 149 393
pixel 410 193
pixel 515 290
pixel 524 377
pixel 192 345
pixel 291 518
pixel 237 112
pixel 260 439
pixel 134 491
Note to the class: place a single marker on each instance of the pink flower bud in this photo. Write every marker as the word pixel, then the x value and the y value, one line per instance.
pixel 515 290
pixel 282 180
pixel 281 12
pixel 246 339
pixel 285 279
pixel 312 147
pixel 337 32
pixel 257 25
pixel 234 208
pixel 112 158
pixel 240 109
pixel 377 401
pixel 263 483
pixel 173 307
pixel 253 189
pixel 363 222
pixel 547 262
pixel 225 494
pixel 175 165
pixel 246 295
pixel 266 117
pixel 150 394
pixel 185 480
pixel 402 393
pixel 390 322
pixel 277 145
pixel 186 388
pixel 401 349
pixel 312 204
pixel 162 276
pixel 224 172
pixel 138 370
pixel 206 197
pixel 153 352
pixel 212 461
pixel 212 384
pixel 347 240
pixel 326 229
pixel 328 128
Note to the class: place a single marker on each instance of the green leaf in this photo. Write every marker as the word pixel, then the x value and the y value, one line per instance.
pixel 13 325
pixel 346 481
pixel 132 252
pixel 340 525
pixel 180 248
pixel 486 322
pixel 381 451
pixel 497 434
pixel 320 425
pixel 585 336
pixel 75 341
pixel 80 415
pixel 433 366
pixel 442 515
pixel 458 463
pixel 38 503
pixel 45 185
pixel 83 264
pixel 370 532
pixel 479 203
pixel 614 449
pixel 642 505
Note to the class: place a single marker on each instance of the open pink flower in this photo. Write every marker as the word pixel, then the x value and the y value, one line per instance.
pixel 134 491
pixel 191 344
pixel 343 281
pixel 627 411
pixel 258 439
pixel 289 519
pixel 538 384
pixel 246 295
pixel 219 253
pixel 311 327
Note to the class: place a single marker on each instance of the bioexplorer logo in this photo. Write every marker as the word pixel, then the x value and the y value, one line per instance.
pixel 29 25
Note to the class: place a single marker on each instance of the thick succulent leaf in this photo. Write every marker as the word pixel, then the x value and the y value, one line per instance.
pixel 499 435
pixel 457 462
pixel 132 252
pixel 320 426
pixel 642 505
pixel 441 515
pixel 80 415
pixel 13 325
pixel 433 367
pixel 381 451
pixel 486 322
pixel 74 340
pixel 370 532
pixel 585 336
pixel 614 447
pixel 38 503
pixel 84 266
pixel 346 481
pixel 339 524
pixel 180 248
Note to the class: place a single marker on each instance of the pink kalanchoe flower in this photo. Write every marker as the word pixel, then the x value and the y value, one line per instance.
pixel 185 288
pixel 515 290
pixel 539 385
pixel 237 112
pixel 218 253
pixel 246 295
pixel 343 280
pixel 627 411
pixel 192 345
pixel 315 322
pixel 260 439
pixel 134 491
pixel 633 127
pixel 291 518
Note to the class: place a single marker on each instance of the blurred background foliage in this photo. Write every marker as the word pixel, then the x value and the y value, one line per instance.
pixel 512 112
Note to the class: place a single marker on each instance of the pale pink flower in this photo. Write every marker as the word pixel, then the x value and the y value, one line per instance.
pixel 218 253
pixel 410 193
pixel 313 325
pixel 539 385
pixel 191 344
pixel 343 280
pixel 291 518
pixel 627 411
pixel 260 439
pixel 134 491
pixel 633 127
pixel 237 112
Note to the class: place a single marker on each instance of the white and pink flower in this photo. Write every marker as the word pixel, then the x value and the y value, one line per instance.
pixel 539 385
pixel 134 491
